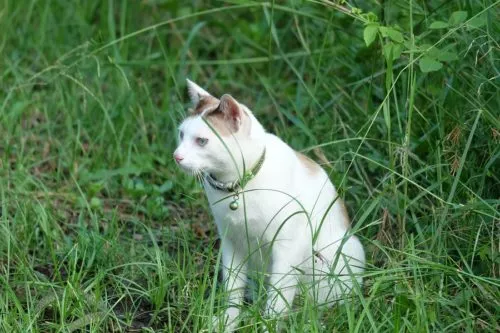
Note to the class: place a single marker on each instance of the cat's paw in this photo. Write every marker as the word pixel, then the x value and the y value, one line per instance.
pixel 225 323
pixel 270 326
pixel 218 324
pixel 272 321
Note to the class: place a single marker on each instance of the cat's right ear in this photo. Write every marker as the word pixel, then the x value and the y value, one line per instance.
pixel 196 92
pixel 232 111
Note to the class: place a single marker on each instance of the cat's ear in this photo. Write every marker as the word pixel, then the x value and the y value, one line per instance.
pixel 232 111
pixel 196 92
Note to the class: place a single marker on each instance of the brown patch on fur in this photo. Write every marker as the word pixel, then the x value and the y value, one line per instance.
pixel 206 103
pixel 343 209
pixel 219 123
pixel 209 106
pixel 222 125
pixel 308 163
pixel 314 168
pixel 322 158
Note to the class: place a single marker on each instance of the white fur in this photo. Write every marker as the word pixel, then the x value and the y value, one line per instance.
pixel 276 235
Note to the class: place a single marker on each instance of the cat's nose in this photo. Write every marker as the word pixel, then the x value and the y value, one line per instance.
pixel 178 158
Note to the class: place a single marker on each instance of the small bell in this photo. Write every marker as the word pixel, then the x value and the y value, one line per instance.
pixel 234 205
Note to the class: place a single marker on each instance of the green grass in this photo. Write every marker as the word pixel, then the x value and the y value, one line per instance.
pixel 99 230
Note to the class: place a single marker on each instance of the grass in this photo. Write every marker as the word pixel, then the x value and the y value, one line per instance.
pixel 99 231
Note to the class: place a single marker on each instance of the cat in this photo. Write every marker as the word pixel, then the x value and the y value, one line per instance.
pixel 275 209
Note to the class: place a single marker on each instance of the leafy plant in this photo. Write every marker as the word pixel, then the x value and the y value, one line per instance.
pixel 395 43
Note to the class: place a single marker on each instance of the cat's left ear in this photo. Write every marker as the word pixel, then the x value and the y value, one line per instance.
pixel 196 92
pixel 232 111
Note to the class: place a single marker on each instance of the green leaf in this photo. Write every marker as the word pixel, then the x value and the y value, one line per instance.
pixel 371 17
pixel 395 35
pixel 95 202
pixel 430 50
pixel 94 188
pixel 425 46
pixel 165 187
pixel 477 22
pixel 370 33
pixel 356 11
pixel 457 17
pixel 383 31
pixel 428 64
pixel 392 33
pixel 394 50
pixel 438 25
pixel 447 56
pixel 387 50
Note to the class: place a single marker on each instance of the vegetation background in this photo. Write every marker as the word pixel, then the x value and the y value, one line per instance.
pixel 397 99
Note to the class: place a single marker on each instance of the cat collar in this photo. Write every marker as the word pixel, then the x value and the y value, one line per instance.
pixel 236 186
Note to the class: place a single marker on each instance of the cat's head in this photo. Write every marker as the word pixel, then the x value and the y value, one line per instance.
pixel 215 129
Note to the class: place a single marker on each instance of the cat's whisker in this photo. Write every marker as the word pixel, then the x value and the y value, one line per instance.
pixel 198 174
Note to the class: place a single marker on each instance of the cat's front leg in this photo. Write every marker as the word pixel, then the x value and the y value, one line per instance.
pixel 234 271
pixel 282 279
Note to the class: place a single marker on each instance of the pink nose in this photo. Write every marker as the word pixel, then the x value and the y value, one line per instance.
pixel 178 158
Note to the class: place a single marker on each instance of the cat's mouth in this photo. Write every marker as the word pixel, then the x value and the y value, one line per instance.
pixel 193 171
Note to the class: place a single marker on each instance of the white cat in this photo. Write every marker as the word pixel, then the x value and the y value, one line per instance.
pixel 276 210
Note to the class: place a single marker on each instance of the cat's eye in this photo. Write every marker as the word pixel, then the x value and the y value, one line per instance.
pixel 181 135
pixel 201 141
